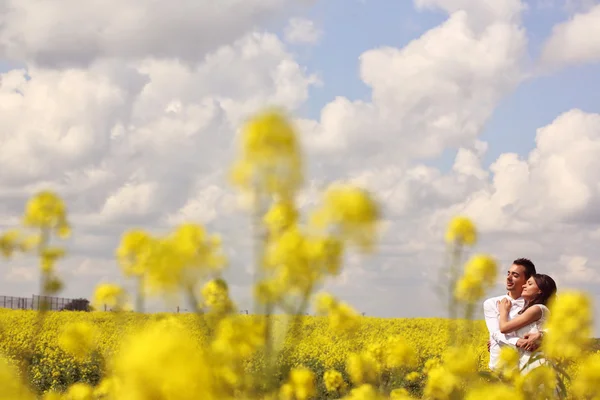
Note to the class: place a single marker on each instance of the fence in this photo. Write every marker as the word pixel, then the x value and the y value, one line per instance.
pixel 36 302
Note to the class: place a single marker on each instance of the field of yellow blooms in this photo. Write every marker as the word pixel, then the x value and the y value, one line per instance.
pixel 217 353
pixel 320 348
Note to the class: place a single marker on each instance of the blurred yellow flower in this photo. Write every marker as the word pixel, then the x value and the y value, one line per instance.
pixel 479 276
pixel 111 295
pixel 350 212
pixel 216 297
pixel 46 210
pixel 270 158
pixel 280 216
pixel 461 231
pixel 79 391
pixel 11 387
pixel 300 385
pixel 78 339
pixel 569 326
pixel 334 382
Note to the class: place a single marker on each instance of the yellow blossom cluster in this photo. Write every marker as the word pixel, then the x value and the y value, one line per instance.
pixel 216 353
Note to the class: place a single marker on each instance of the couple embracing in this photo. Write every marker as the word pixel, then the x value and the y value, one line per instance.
pixel 517 318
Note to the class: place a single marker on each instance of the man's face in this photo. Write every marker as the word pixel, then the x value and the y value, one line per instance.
pixel 515 279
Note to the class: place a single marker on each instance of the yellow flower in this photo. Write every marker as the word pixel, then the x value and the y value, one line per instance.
pixel 400 394
pixel 78 339
pixel 461 231
pixel 198 251
pixel 162 361
pixel 238 338
pixel 11 386
pixel 216 296
pixel 300 386
pixel 362 368
pixel 268 291
pixel 114 296
pixel 52 396
pixel 79 391
pixel 280 216
pixel 587 383
pixel 351 212
pixel 400 354
pixel 325 253
pixel 46 210
pixel 440 383
pixel 342 318
pixel 334 382
pixel 268 136
pixel 493 392
pixel 569 326
pixel 461 361
pixel 479 276
pixel 412 377
pixel 539 383
pixel 270 159
pixel 132 252
pixel 509 362
pixel 49 256
pixel 364 392
pixel 9 241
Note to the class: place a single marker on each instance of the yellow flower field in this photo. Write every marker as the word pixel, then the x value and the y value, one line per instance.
pixel 320 349
pixel 279 353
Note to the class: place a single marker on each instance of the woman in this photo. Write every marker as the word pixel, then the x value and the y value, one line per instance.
pixel 537 292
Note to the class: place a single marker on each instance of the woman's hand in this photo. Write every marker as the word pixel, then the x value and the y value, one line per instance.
pixel 504 306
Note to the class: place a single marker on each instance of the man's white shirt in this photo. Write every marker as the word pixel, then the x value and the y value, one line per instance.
pixel 492 320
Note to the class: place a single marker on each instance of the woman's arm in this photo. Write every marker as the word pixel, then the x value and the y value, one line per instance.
pixel 530 315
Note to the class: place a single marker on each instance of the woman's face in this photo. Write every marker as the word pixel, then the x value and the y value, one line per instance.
pixel 530 289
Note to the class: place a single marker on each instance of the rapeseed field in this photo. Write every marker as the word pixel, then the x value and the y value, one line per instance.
pixel 278 353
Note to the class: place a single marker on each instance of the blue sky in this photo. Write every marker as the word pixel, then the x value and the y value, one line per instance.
pixel 352 27
pixel 419 204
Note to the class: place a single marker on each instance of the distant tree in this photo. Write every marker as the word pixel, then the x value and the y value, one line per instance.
pixel 78 305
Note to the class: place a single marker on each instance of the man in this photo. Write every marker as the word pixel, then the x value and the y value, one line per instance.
pixel 519 272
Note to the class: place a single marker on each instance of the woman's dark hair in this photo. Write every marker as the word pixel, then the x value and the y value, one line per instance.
pixel 548 288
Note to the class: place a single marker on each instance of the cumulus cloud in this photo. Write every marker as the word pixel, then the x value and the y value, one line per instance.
pixel 302 31
pixel 425 99
pixel 64 33
pixel 140 131
pixel 575 41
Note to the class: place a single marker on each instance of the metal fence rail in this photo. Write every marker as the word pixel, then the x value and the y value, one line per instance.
pixel 36 302
pixel 16 303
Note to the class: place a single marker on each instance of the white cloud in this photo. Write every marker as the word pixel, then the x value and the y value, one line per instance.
pixel 481 13
pixel 302 31
pixel 139 134
pixel 575 41
pixel 69 32
pixel 425 99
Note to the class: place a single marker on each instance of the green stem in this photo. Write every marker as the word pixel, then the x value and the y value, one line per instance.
pixel 452 306
pixel 139 300
pixel 259 243
pixel 41 314
pixel 193 301
pixel 270 362
pixel 293 333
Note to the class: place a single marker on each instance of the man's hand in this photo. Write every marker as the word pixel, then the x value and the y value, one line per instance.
pixel 489 345
pixel 530 342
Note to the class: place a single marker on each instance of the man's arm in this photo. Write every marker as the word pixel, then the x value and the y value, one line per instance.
pixel 490 312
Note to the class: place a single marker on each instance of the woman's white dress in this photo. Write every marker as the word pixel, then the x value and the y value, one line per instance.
pixel 536 326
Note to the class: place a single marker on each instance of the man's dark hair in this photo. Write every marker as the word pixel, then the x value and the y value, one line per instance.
pixel 527 265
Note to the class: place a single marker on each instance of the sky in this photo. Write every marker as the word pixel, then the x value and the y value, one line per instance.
pixel 438 107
